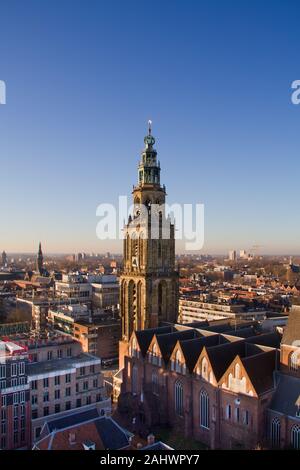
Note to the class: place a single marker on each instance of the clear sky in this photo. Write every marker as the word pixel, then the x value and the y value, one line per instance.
pixel 84 77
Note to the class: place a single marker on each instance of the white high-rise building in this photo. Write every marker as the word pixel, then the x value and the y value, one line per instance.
pixel 232 255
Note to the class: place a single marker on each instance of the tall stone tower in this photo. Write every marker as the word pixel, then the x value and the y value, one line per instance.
pixel 149 284
pixel 40 260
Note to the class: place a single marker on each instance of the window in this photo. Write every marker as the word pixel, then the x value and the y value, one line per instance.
pixel 78 402
pixel 22 397
pixel 295 437
pixel 34 414
pixel 16 437
pixel 237 415
pixel 3 427
pixel 57 408
pixel 34 399
pixel 95 383
pixel 98 397
pixel 204 369
pixel 21 368
pixel 15 398
pixel 68 391
pixel 85 385
pixel 69 352
pixel 77 388
pixel 68 378
pixel 2 384
pixel 204 409
pixel 237 371
pixel 3 442
pixel 59 353
pixel 294 360
pixel 92 369
pixel 14 370
pixel 153 356
pixel 228 412
pixel 46 382
pixel 246 417
pixel 46 410
pixel 49 355
pixel 57 380
pixel 22 410
pixel 134 382
pixel 14 382
pixel 34 385
pixel 82 371
pixel 16 411
pixel 3 414
pixel 57 394
pixel 46 397
pixel 155 385
pixel 68 405
pixel 178 398
pixel 2 372
pixel 88 400
pixel 37 432
pixel 3 400
pixel 16 424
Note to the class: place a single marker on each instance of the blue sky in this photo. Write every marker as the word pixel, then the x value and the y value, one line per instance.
pixel 82 80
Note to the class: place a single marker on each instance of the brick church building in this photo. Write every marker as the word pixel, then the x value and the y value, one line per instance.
pixel 227 385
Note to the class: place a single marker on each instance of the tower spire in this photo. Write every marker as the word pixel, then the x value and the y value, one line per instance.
pixel 149 127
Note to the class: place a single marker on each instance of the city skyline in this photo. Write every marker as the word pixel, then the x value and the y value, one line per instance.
pixel 218 89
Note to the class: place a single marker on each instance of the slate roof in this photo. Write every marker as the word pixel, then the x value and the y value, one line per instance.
pixel 292 330
pixel 286 398
pixel 222 356
pixel 192 348
pixel 260 369
pixel 72 419
pixel 271 340
pixel 167 342
pixel 104 432
pixel 144 337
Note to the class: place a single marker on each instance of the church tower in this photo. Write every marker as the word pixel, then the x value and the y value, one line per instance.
pixel 149 284
pixel 40 260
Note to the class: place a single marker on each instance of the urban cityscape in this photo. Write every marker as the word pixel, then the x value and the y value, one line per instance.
pixel 148 346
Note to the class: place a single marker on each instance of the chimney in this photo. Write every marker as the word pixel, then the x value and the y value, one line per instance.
pixel 150 439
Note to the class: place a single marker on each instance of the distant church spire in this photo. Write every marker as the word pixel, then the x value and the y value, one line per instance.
pixel 40 260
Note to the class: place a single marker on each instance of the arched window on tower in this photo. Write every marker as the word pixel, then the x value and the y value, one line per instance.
pixel 275 432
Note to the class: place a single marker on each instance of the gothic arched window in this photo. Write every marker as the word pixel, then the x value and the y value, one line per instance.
pixel 294 359
pixel 204 409
pixel 134 379
pixel 154 380
pixel 295 437
pixel 275 432
pixel 178 395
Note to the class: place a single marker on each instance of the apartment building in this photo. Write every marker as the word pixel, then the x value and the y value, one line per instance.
pixel 61 379
pixel 15 410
